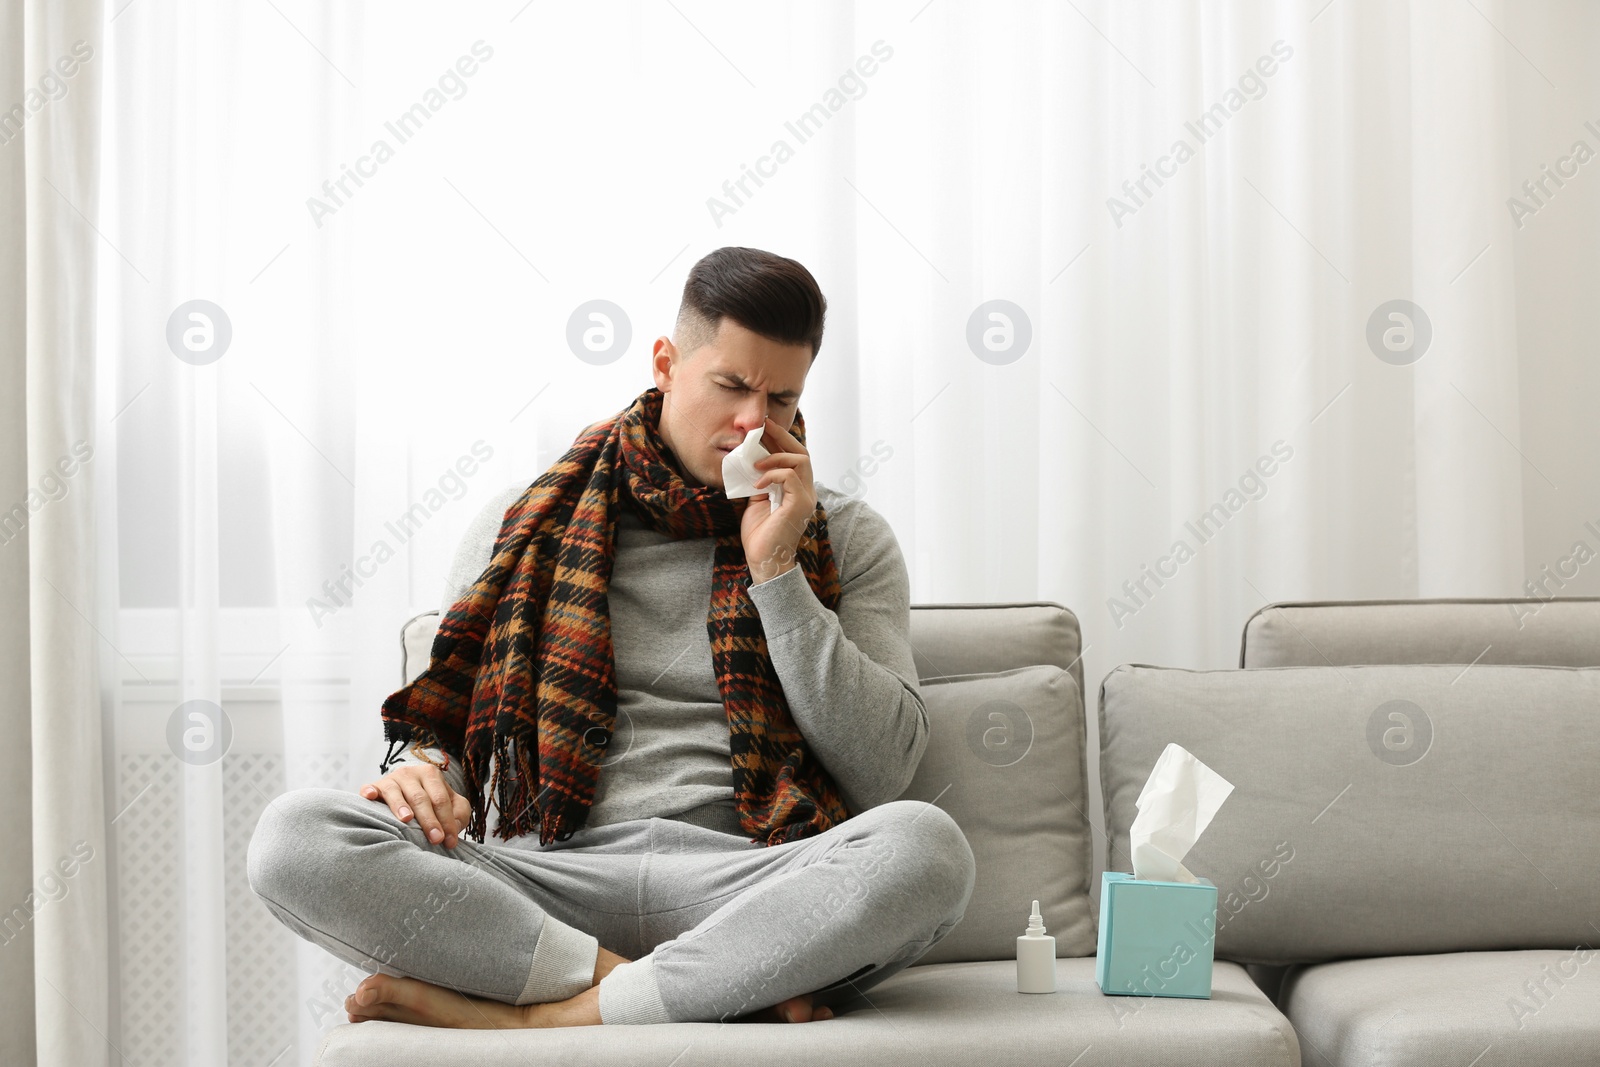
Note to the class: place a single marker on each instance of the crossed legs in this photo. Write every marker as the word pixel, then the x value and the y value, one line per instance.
pixel 651 921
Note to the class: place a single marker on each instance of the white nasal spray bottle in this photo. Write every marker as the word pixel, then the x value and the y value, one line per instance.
pixel 739 474
pixel 1036 957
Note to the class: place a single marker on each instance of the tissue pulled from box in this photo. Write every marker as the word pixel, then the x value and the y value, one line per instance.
pixel 1177 804
pixel 739 474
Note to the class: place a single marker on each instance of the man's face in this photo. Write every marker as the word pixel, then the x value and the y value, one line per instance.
pixel 718 393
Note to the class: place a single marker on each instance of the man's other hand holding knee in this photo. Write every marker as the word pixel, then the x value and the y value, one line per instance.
pixel 420 791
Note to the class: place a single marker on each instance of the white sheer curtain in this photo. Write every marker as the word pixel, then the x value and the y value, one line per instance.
pixel 53 658
pixel 396 212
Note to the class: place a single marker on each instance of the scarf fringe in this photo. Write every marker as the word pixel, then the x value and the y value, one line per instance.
pixel 515 773
pixel 396 735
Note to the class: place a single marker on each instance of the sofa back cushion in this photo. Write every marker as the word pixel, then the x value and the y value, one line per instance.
pixel 1378 810
pixel 949 640
pixel 1562 632
pixel 416 643
pixel 1005 759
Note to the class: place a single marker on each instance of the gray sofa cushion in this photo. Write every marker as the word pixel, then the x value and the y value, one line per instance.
pixel 954 1013
pixel 954 639
pixel 1341 841
pixel 416 643
pixel 1005 758
pixel 1484 1008
pixel 1561 632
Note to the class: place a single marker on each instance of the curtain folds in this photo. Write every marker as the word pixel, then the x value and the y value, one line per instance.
pixel 56 961
pixel 16 793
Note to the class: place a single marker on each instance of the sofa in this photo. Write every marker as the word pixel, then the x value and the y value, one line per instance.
pixel 1387 887
pixel 1514 976
pixel 1410 862
pixel 1006 758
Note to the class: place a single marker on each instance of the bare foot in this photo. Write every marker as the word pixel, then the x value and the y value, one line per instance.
pixel 410 1000
pixel 794 1010
pixel 606 961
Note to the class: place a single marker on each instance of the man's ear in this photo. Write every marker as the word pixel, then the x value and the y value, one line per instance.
pixel 663 360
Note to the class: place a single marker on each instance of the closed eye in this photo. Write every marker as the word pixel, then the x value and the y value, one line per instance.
pixel 784 401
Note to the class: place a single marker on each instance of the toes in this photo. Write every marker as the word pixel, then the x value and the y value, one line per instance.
pixel 379 996
pixel 370 990
pixel 795 1009
pixel 386 989
pixel 360 1012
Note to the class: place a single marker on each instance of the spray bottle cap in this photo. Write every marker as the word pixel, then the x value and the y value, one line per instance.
pixel 1035 922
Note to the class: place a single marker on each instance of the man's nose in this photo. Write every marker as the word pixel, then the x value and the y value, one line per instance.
pixel 752 413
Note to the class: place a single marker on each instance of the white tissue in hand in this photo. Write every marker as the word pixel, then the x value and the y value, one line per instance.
pixel 739 474
pixel 1177 804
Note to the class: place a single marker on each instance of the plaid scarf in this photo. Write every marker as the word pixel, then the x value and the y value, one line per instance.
pixel 522 664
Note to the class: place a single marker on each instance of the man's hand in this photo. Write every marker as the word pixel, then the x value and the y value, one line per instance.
pixel 771 537
pixel 419 789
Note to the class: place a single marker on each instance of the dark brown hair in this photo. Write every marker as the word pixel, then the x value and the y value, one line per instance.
pixel 765 293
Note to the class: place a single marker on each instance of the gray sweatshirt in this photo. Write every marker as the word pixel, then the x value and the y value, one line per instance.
pixel 848 676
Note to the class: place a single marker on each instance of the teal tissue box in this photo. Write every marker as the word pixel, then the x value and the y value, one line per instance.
pixel 1156 938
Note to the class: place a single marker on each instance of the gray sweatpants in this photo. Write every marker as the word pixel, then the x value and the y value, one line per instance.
pixel 716 927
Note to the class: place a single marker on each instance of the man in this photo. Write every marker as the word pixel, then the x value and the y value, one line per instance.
pixel 692 715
